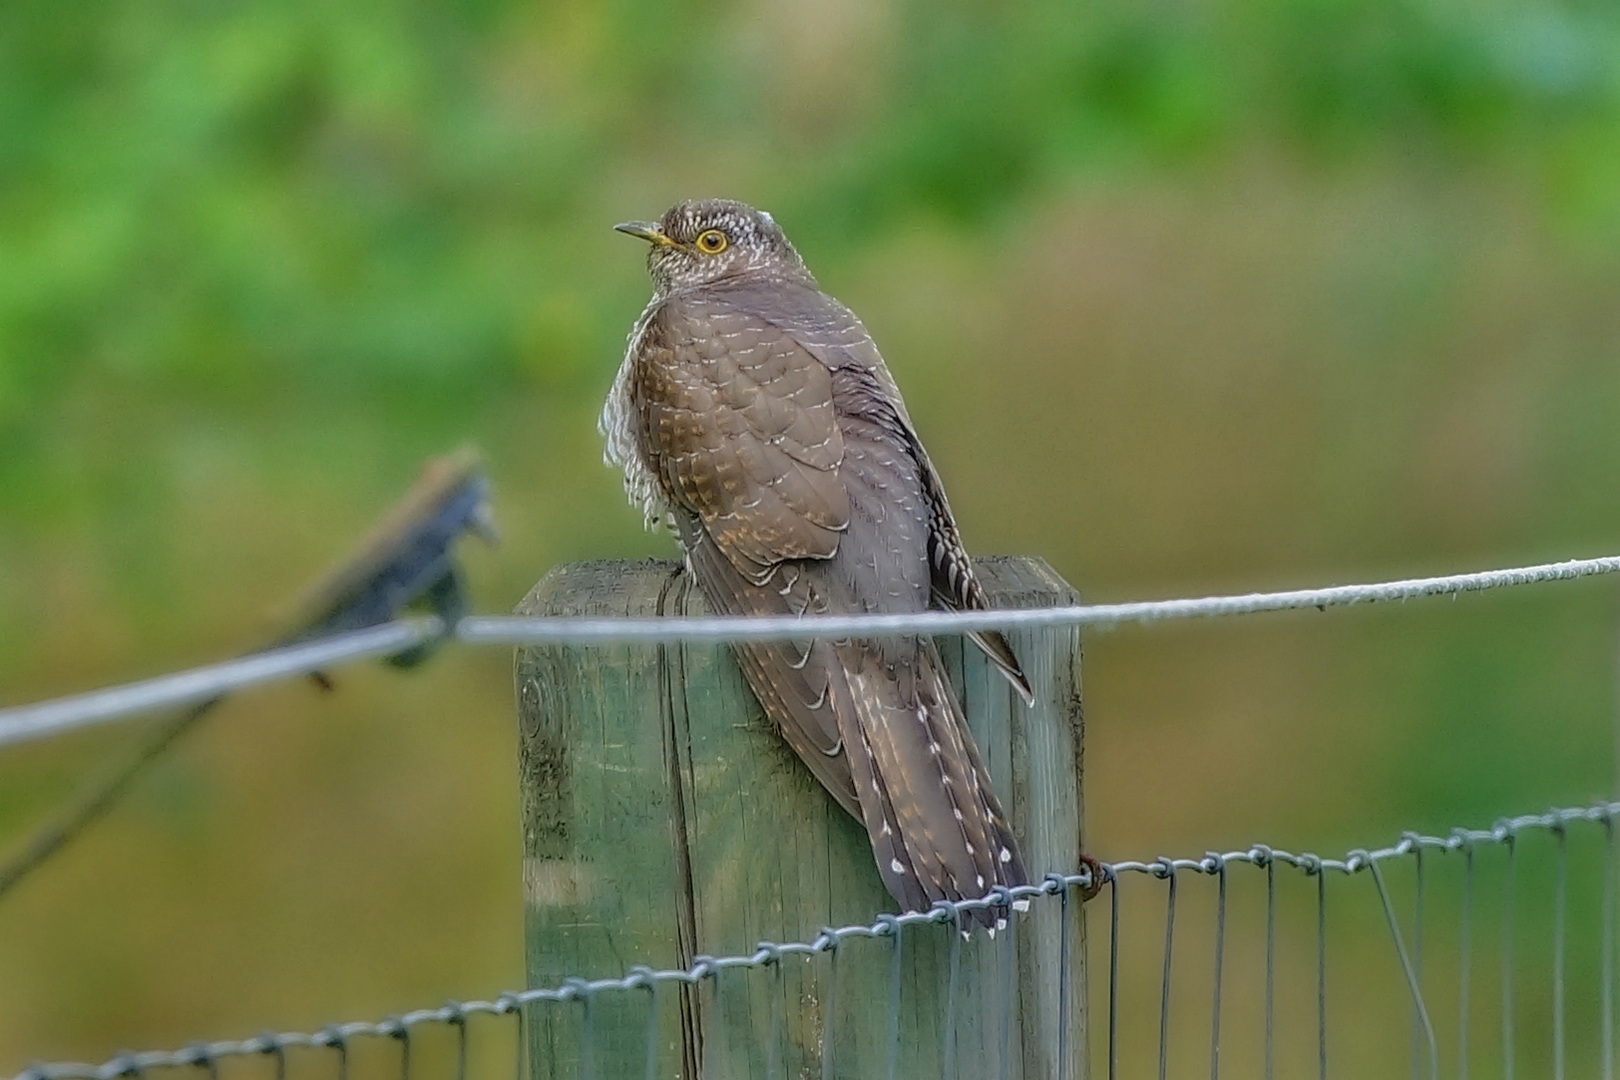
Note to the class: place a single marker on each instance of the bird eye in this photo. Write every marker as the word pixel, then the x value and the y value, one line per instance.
pixel 712 241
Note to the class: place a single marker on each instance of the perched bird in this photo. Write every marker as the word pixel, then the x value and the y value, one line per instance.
pixel 754 417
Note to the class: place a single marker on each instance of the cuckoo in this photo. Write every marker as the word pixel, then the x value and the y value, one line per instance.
pixel 754 417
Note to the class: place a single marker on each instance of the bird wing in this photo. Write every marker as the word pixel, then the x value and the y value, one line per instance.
pixel 795 681
pixel 738 423
pixel 956 586
pixel 836 337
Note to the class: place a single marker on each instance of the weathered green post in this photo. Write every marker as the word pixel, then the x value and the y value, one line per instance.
pixel 664 820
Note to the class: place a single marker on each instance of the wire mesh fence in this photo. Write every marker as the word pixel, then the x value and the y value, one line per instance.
pixel 1499 954
pixel 1498 959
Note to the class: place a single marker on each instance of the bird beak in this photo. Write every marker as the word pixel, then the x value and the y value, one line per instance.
pixel 647 230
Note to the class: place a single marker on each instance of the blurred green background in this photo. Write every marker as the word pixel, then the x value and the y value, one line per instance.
pixel 1186 297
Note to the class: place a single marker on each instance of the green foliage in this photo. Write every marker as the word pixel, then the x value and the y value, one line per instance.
pixel 223 200
pixel 1185 296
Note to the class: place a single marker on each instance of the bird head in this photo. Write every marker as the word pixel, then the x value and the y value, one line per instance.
pixel 706 240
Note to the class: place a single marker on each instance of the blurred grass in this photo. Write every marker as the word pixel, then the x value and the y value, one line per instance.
pixel 1184 297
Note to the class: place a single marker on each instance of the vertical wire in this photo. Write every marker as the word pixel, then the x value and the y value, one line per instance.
pixel 521 1069
pixel 1607 936
pixel 337 1042
pixel 1220 959
pixel 1009 950
pixel 1465 960
pixel 948 1071
pixel 1113 978
pixel 1321 972
pixel 1164 986
pixel 587 1024
pixel 1609 911
pixel 894 1003
pixel 1064 966
pixel 776 1053
pixel 1271 966
pixel 1417 960
pixel 650 1067
pixel 200 1058
pixel 1406 966
pixel 831 1012
pixel 1507 958
pixel 460 1020
pixel 1559 889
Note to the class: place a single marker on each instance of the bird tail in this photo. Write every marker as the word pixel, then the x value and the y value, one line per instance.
pixel 937 829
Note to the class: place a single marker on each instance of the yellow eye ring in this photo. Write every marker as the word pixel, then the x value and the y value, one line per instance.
pixel 712 241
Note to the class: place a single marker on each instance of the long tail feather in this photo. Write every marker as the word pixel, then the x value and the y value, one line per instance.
pixel 937 829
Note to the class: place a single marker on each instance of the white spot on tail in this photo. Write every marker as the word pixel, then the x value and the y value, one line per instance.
pixel 1006 856
pixel 898 867
pixel 1021 905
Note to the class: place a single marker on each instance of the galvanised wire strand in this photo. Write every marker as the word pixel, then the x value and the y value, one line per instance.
pixel 575 630
pixel 25 722
pixel 1271 963
pixel 1419 1012
pixel 1065 964
pixel 1113 976
pixel 1421 1020
pixel 34 721
pixel 1321 977
pixel 1164 983
pixel 1606 938
pixel 1220 960
pixel 828 941
pixel 1507 958
pixel 1465 962
pixel 1560 891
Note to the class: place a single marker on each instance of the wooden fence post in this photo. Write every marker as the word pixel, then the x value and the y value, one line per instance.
pixel 663 819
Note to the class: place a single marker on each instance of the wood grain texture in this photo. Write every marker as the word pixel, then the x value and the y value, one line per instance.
pixel 664 819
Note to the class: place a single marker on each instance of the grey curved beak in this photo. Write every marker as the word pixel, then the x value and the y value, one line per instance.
pixel 646 230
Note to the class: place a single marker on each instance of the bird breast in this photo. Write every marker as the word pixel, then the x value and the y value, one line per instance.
pixel 618 425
